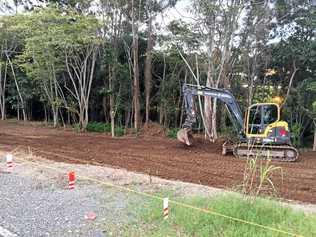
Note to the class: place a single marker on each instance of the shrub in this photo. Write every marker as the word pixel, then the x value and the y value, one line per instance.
pixel 76 127
pixel 98 127
pixel 172 133
pixel 104 128
pixel 119 131
pixel 296 133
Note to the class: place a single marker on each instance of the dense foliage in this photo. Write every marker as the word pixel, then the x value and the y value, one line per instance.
pixel 116 62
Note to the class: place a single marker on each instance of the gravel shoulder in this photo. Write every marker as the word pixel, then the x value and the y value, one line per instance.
pixel 35 200
pixel 33 203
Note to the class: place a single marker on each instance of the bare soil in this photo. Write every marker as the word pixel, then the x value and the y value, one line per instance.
pixel 157 156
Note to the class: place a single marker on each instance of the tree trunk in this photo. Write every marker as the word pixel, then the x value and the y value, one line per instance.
pixel 112 109
pixel 314 146
pixel 62 118
pixel 56 106
pixel 18 89
pixel 45 114
pixel 295 69
pixel 210 119
pixel 214 120
pixel 2 91
pixel 182 110
pixel 104 106
pixel 113 123
pixel 208 102
pixel 252 71
pixel 83 76
pixel 81 118
pixel 24 113
pixel 86 116
pixel 162 92
pixel 18 112
pixel 136 93
pixel 55 116
pixel 148 67
pixel 208 106
pixel 250 90
pixel 161 113
pixel 127 119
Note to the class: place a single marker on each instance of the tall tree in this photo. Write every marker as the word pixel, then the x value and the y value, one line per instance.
pixel 218 23
pixel 12 42
pixel 152 8
pixel 80 42
pixel 3 70
pixel 135 17
pixel 254 37
pixel 40 59
pixel 112 14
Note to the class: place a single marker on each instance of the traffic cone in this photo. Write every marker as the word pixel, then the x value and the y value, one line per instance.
pixel 72 179
pixel 9 159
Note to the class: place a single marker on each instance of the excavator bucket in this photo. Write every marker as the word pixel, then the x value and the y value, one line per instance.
pixel 184 135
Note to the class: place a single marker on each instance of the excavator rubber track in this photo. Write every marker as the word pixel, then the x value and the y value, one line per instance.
pixel 285 153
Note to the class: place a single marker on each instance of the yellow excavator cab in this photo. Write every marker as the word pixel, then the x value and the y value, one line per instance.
pixel 259 117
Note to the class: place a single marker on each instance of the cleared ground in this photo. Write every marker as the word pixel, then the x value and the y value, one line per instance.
pixel 157 156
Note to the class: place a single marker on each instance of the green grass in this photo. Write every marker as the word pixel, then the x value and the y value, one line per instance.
pixel 188 222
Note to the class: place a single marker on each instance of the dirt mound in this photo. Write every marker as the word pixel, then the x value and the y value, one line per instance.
pixel 202 144
pixel 153 129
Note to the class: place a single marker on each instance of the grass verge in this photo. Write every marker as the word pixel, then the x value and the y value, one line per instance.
pixel 187 222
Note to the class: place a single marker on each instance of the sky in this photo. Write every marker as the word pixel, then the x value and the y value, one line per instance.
pixel 179 11
pixel 173 14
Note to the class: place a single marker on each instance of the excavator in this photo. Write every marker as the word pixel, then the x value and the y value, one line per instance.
pixel 261 134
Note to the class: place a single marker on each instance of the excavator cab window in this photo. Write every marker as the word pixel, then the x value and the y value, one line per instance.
pixel 269 114
pixel 260 116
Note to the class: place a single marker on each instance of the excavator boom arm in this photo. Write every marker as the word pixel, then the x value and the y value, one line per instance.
pixel 189 91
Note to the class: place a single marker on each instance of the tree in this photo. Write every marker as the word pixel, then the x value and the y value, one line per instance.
pixel 217 24
pixel 112 14
pixel 136 93
pixel 12 7
pixel 12 41
pixel 152 8
pixel 294 59
pixel 79 41
pixel 253 46
pixel 3 74
pixel 40 59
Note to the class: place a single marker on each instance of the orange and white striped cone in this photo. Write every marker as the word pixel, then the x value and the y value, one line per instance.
pixel 71 179
pixel 165 208
pixel 9 159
